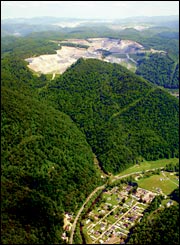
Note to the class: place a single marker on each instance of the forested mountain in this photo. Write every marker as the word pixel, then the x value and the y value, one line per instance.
pixel 26 47
pixel 159 69
pixel 50 130
pixel 123 116
pixel 47 165
pixel 158 229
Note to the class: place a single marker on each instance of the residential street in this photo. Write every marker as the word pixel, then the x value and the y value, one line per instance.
pixel 99 188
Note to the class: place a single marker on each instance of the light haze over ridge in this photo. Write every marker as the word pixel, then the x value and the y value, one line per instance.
pixel 88 9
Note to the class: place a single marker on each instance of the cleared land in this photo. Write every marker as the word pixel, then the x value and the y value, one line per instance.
pixel 106 49
pixel 165 182
pixel 111 218
pixel 146 165
pixel 110 207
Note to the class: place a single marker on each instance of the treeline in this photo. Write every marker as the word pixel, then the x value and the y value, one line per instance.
pixel 159 69
pixel 76 45
pixel 169 45
pixel 175 195
pixel 16 75
pixel 172 168
pixel 162 228
pixel 156 202
pixel 26 47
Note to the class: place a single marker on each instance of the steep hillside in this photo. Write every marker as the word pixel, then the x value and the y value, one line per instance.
pixel 47 169
pixel 159 69
pixel 47 157
pixel 158 229
pixel 124 117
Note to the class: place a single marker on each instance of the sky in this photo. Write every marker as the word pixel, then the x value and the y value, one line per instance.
pixel 88 9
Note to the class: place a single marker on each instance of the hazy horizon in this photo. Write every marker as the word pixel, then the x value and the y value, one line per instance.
pixel 102 10
pixel 78 18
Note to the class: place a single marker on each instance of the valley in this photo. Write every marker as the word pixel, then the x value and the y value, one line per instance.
pixel 90 149
pixel 122 204
pixel 58 138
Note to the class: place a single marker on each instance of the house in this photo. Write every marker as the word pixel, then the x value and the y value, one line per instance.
pixel 67 228
pixel 101 241
pixel 108 204
pixel 133 218
pixel 91 213
pixel 64 237
pixel 107 233
pixel 169 203
pixel 102 211
pixel 87 221
pixel 96 217
pixel 128 188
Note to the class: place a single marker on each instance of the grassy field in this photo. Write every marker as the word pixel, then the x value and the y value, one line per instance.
pixel 172 177
pixel 145 165
pixel 158 181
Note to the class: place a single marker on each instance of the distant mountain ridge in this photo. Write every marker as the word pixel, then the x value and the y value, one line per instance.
pixel 50 19
pixel 17 25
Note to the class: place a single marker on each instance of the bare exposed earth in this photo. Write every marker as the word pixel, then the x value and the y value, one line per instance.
pixel 66 56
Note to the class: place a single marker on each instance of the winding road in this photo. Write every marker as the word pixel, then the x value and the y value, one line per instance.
pixel 92 193
pixel 80 210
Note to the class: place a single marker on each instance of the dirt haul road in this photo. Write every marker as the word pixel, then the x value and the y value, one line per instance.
pixel 66 56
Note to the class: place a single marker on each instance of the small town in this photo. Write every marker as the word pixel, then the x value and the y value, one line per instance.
pixel 117 214
pixel 119 208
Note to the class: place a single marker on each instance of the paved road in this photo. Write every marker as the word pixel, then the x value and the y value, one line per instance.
pixel 115 223
pixel 126 175
pixel 92 193
pixel 80 210
pixel 104 217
